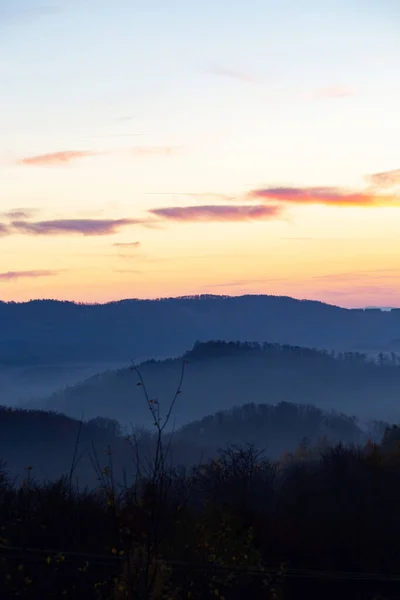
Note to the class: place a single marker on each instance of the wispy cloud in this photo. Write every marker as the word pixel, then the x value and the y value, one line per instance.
pixel 4 229
pixel 13 275
pixel 363 291
pixel 127 245
pixel 56 158
pixel 19 213
pixel 230 74
pixel 386 179
pixel 87 227
pixel 65 157
pixel 275 197
pixel 245 282
pixel 363 275
pixel 217 213
pixel 211 196
pixel 324 195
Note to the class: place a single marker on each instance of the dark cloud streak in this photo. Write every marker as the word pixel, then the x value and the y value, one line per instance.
pixel 86 227
pixel 19 213
pixel 217 213
pixel 127 245
pixel 14 275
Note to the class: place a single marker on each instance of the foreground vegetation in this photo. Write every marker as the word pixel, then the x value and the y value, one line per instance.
pixel 222 529
pixel 321 521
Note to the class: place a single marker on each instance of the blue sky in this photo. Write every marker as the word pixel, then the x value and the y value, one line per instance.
pixel 175 98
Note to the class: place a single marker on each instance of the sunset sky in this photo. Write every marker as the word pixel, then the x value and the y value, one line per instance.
pixel 172 147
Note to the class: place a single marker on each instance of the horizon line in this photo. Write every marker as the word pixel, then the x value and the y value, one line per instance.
pixel 196 297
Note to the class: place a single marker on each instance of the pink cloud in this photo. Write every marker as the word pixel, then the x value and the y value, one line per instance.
pixel 217 213
pixel 56 158
pixel 3 229
pixel 65 157
pixel 387 179
pixel 324 195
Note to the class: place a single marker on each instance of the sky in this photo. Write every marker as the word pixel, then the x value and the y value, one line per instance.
pixel 157 148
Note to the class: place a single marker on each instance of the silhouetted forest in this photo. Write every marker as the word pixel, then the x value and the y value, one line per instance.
pixel 319 523
pixel 221 375
pixel 277 429
pixel 45 331
pixel 46 441
pixel 263 497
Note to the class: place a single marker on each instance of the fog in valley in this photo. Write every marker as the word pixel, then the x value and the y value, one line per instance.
pixel 289 408
pixel 276 391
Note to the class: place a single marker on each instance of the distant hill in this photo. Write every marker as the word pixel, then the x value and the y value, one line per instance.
pixel 385 308
pixel 221 375
pixel 45 442
pixel 45 332
pixel 276 429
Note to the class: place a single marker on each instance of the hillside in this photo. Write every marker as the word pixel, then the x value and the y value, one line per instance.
pixel 45 331
pixel 47 441
pixel 219 376
pixel 276 429
pixel 327 508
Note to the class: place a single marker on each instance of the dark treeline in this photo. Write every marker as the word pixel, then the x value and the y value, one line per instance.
pixel 46 331
pixel 254 501
pixel 221 375
pixel 216 530
pixel 46 441
pixel 221 348
pixel 277 429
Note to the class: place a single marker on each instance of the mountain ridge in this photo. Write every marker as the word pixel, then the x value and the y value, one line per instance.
pixel 42 331
pixel 220 375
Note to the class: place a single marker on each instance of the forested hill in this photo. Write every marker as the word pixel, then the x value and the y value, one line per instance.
pixel 46 331
pixel 220 375
pixel 276 429
pixel 51 444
